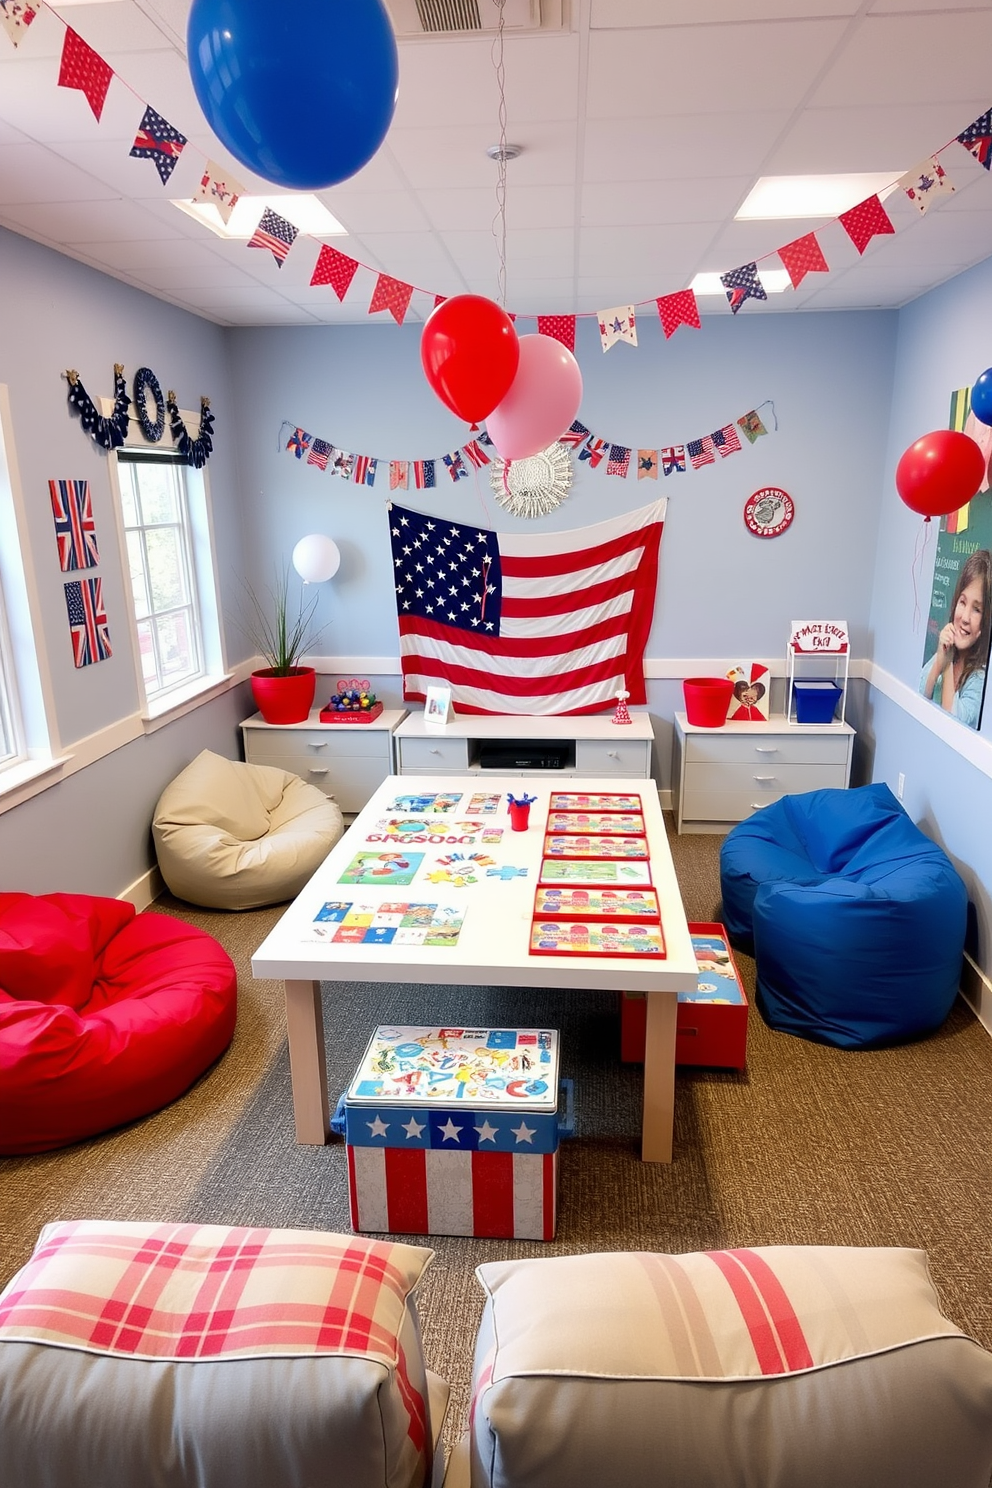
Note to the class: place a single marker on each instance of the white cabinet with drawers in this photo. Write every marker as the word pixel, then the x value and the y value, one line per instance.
pixel 720 776
pixel 595 745
pixel 348 761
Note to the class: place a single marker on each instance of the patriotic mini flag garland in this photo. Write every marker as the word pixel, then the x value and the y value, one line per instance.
pixel 82 68
pixel 620 458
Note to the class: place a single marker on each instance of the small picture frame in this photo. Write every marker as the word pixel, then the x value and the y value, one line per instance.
pixel 751 695
pixel 437 705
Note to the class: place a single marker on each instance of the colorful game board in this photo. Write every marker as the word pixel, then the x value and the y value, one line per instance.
pixel 595 847
pixel 390 923
pixel 575 801
pixel 435 801
pixel 484 803
pixel 499 1067
pixel 717 977
pixel 382 868
pixel 595 872
pixel 595 938
pixel 605 823
pixel 596 904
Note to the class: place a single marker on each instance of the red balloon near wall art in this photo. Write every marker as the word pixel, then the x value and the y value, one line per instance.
pixel 470 352
pixel 940 473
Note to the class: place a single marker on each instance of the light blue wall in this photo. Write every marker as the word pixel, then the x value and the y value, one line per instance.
pixel 944 342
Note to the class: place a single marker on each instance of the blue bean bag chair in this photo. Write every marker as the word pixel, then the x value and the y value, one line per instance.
pixel 855 918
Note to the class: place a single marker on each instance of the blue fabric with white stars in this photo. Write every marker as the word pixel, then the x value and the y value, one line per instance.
pixel 446 572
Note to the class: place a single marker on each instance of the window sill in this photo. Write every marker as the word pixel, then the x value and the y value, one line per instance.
pixel 181 700
pixel 23 775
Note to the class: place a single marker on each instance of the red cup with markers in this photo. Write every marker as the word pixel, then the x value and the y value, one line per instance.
pixel 520 811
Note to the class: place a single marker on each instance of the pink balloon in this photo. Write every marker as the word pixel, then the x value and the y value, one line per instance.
pixel 543 400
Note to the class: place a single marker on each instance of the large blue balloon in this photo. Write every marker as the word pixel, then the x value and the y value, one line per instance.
pixel 981 397
pixel 302 93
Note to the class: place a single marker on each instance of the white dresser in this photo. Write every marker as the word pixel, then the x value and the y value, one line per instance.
pixel 720 776
pixel 593 746
pixel 348 761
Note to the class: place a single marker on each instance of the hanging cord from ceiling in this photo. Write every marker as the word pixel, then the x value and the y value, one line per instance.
pixel 499 220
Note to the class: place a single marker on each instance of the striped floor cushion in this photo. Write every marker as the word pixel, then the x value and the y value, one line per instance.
pixel 788 1367
pixel 203 1356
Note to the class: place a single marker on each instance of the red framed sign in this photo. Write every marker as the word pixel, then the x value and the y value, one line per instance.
pixel 769 512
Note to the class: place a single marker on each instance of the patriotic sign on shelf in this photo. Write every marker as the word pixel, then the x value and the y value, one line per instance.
pixel 87 621
pixel 513 623
pixel 75 530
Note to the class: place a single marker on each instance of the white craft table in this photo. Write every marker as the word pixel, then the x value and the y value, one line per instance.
pixel 493 946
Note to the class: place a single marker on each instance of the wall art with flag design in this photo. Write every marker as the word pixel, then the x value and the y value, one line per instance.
pixel 75 530
pixel 551 623
pixel 87 621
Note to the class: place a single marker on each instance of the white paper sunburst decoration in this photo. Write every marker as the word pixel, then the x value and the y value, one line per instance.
pixel 535 486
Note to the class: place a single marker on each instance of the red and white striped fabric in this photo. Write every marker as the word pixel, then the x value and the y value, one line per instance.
pixel 495 1195
pixel 546 623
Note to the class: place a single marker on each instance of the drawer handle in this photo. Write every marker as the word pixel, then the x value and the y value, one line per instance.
pixel 435 751
pixel 767 749
pixel 321 745
pixel 612 754
pixel 763 779
pixel 758 805
pixel 314 770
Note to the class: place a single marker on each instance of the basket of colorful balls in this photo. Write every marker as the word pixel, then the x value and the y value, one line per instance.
pixel 352 703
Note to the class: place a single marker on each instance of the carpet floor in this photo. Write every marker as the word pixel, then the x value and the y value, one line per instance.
pixel 809 1145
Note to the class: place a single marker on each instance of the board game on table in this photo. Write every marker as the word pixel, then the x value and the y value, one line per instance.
pixel 430 884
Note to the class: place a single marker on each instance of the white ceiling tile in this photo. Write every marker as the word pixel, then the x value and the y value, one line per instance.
pixel 441 156
pixel 684 145
pixel 614 14
pixel 455 80
pixel 378 211
pixel 689 69
pixel 530 206
pixel 673 249
pixel 933 58
pixel 872 137
pixel 89 221
pixel 31 173
pixel 659 201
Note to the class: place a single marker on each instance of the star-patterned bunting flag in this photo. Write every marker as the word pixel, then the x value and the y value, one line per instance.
pixel 593 450
pixel 725 440
pixel 423 474
pixel 616 325
pixel 75 530
pixel 574 435
pixel 476 455
pixel 517 623
pixel 673 459
pixel 700 452
pixel 218 187
pixel 743 284
pixel 647 464
pixel 456 466
pixel 392 295
pixel 865 221
pixel 16 17
pixel 274 233
pixel 158 141
pixel 619 461
pixel 81 67
pixel 676 310
pixel 87 621
pixel 751 426
pixel 298 442
pixel 559 327
pixel 320 454
pixel 925 182
pixel 341 464
pixel 365 469
pixel 335 269
pixel 977 139
pixel 801 257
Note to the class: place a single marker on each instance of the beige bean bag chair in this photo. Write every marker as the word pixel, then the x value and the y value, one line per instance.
pixel 234 836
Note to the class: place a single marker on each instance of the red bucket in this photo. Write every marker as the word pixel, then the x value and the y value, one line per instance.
pixel 707 700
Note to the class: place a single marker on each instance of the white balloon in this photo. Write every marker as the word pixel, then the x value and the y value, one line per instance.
pixel 316 558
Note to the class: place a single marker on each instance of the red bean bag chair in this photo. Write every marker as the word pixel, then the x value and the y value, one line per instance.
pixel 105 1015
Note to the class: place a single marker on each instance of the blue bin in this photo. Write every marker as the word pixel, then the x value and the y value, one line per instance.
pixel 816 702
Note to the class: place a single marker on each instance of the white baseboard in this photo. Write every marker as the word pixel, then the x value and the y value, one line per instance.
pixel 145 890
pixel 976 989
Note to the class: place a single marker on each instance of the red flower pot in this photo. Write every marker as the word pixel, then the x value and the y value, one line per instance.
pixel 286 699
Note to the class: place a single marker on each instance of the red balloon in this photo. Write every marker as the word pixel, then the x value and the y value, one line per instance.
pixel 470 352
pixel 940 473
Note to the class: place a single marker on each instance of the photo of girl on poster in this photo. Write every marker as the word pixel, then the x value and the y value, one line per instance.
pixel 954 676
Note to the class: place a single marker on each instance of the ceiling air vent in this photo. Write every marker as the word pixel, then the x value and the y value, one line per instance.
pixel 422 18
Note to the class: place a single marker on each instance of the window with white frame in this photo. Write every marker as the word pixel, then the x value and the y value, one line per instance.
pixel 9 732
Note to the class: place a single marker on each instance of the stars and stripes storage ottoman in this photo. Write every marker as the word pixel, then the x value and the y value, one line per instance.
pixel 454 1131
pixel 203 1356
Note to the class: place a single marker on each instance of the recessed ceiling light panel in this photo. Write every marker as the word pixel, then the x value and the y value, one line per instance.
pixel 813 196
pixel 302 209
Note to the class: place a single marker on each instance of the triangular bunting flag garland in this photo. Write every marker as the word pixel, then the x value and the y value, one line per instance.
pixel 220 189
pixel 574 435
pixel 801 257
pixel 618 324
pixel 593 450
pixel 560 327
pixel 276 234
pixel 619 461
pixel 647 464
pixel 320 454
pixel 925 182
pixel 743 284
pixel 676 310
pixel 725 440
pixel 673 459
pixel 751 426
pixel 81 67
pixel 16 19
pixel 159 142
pixel 867 220
pixel 456 466
pixel 977 139
pixel 335 269
pixel 392 295
pixel 701 452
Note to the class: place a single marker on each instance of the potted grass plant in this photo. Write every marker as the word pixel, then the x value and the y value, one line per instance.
pixel 282 632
